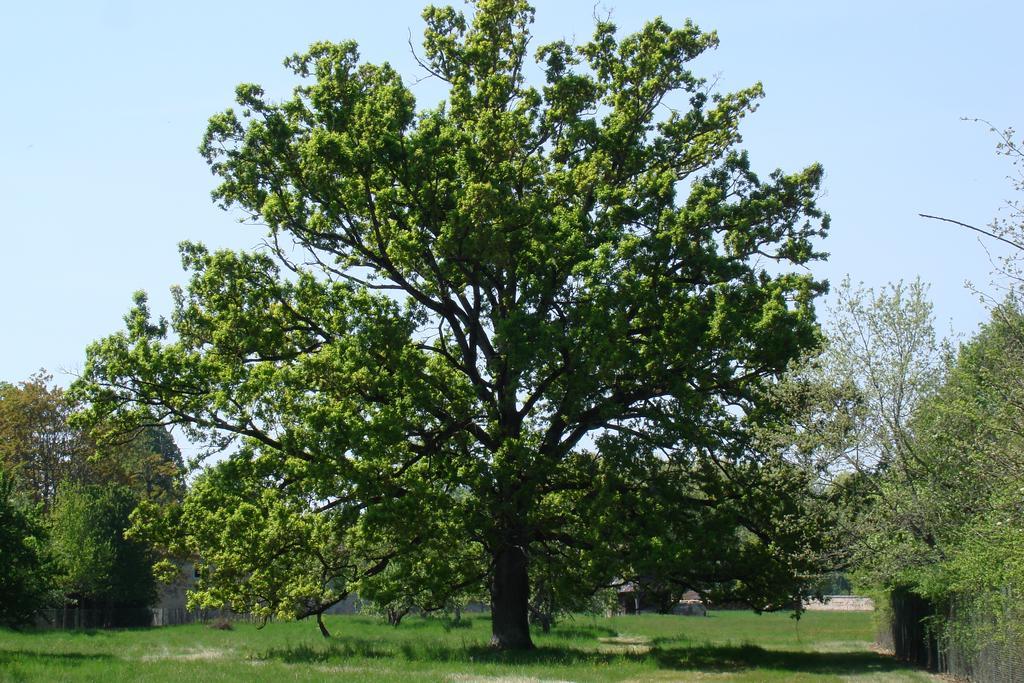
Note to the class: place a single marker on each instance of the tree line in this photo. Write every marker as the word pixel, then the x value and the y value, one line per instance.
pixel 942 507
pixel 914 439
pixel 66 502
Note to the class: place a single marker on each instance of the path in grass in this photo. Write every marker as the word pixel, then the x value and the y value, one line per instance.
pixel 732 646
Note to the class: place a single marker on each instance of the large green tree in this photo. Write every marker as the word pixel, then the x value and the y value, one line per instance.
pixel 530 326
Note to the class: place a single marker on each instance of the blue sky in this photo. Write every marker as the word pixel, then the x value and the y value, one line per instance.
pixel 104 104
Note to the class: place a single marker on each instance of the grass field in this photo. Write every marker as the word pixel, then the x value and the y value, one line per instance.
pixel 733 646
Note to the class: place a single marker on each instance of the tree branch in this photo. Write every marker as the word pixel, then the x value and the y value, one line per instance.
pixel 1015 245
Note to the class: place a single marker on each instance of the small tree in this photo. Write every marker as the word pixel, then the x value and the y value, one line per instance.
pixel 855 412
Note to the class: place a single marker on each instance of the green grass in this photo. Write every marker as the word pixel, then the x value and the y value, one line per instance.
pixel 734 646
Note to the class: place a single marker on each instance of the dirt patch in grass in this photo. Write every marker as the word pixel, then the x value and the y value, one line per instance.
pixel 840 646
pixel 675 676
pixel 346 669
pixel 470 678
pixel 189 655
pixel 638 645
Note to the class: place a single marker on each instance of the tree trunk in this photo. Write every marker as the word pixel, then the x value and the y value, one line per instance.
pixel 323 628
pixel 395 615
pixel 542 616
pixel 510 596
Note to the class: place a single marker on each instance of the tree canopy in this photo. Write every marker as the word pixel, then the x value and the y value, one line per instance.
pixel 36 441
pixel 526 331
pixel 44 446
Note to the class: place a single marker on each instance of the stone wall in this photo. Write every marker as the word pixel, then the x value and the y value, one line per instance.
pixel 841 603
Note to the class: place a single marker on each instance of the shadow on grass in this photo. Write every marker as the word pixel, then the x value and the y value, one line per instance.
pixel 678 640
pixel 420 651
pixel 335 650
pixel 9 657
pixel 451 624
pixel 712 658
pixel 582 632
pixel 725 658
pixel 482 654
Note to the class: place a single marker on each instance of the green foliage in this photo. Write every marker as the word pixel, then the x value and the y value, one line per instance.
pixel 86 480
pixel 526 332
pixel 46 446
pixel 881 359
pixel 261 549
pixel 99 566
pixel 953 530
pixel 25 567
pixel 36 441
pixel 927 453
pixel 853 408
pixel 147 461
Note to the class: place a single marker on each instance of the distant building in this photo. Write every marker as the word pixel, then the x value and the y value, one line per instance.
pixel 634 599
pixel 172 596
